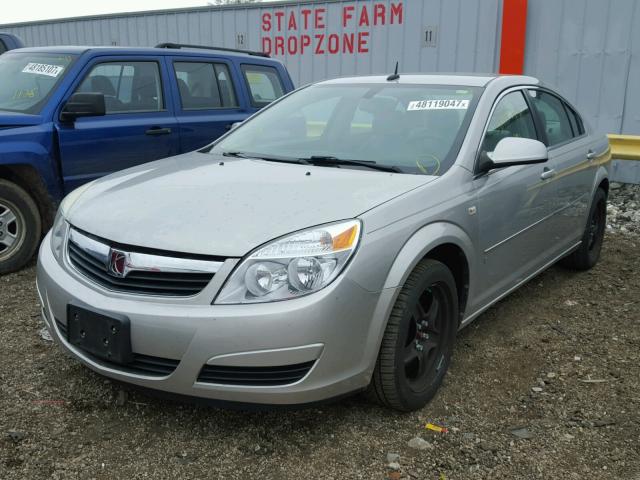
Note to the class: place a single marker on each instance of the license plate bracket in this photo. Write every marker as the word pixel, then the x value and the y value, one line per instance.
pixel 106 336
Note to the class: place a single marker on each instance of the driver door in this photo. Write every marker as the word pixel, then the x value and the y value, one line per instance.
pixel 514 204
pixel 139 125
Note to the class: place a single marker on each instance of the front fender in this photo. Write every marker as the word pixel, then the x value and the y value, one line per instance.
pixel 421 243
pixel 415 249
pixel 32 147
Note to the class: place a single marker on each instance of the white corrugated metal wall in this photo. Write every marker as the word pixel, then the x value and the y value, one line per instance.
pixel 589 50
pixel 466 37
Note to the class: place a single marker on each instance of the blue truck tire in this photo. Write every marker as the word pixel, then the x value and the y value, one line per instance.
pixel 20 227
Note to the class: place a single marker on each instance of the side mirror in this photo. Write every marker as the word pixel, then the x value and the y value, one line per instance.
pixel 83 105
pixel 512 151
pixel 234 125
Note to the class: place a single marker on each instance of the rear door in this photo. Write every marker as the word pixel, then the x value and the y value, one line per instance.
pixel 514 204
pixel 570 150
pixel 207 101
pixel 139 125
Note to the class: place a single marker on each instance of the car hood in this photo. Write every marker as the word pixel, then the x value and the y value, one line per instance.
pixel 202 204
pixel 11 119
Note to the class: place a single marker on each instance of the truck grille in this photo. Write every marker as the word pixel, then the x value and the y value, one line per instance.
pixel 131 270
pixel 254 376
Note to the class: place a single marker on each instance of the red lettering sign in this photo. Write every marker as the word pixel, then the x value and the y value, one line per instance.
pixel 292 22
pixel 318 17
pixel 266 22
pixel 396 13
pixel 347 14
pixel 295 33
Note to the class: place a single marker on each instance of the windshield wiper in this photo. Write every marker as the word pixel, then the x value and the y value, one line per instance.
pixel 328 160
pixel 268 158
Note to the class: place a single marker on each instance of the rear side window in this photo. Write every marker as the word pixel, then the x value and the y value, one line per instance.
pixel 553 117
pixel 127 86
pixel 204 85
pixel 510 118
pixel 264 84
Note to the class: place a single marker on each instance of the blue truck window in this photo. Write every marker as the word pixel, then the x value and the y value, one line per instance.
pixel 264 84
pixel 127 87
pixel 204 85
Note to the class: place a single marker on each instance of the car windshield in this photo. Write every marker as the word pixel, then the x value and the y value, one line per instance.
pixel 409 128
pixel 28 78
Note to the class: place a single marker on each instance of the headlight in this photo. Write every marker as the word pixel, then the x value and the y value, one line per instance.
pixel 58 234
pixel 59 229
pixel 292 266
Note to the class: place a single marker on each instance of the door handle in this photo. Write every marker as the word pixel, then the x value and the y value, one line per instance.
pixel 158 131
pixel 547 174
pixel 591 155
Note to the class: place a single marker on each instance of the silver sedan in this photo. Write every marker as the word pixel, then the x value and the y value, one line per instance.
pixel 334 242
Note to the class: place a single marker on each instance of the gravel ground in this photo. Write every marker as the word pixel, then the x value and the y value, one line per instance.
pixel 546 384
pixel 623 210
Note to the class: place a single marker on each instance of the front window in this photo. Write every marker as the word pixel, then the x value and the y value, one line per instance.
pixel 511 118
pixel 27 79
pixel 127 86
pixel 413 128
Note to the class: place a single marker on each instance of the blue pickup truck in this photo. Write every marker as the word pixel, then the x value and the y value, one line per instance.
pixel 69 115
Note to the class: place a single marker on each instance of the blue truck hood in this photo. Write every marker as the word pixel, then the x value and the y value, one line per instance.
pixel 14 119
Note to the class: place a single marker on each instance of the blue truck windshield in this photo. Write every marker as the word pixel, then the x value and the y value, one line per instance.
pixel 27 79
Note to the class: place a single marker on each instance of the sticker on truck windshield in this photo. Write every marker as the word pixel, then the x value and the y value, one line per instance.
pixel 43 69
pixel 444 104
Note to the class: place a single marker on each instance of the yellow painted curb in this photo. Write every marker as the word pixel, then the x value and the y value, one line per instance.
pixel 625 147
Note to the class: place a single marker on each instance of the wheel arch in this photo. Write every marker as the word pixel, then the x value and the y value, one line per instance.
pixel 604 185
pixel 442 241
pixel 27 177
pixel 601 180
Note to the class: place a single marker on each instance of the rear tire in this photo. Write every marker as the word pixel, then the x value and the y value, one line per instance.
pixel 20 227
pixel 418 341
pixel 588 253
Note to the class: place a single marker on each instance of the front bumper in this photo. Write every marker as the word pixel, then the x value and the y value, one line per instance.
pixel 338 328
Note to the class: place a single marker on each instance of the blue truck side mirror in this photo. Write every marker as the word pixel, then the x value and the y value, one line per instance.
pixel 83 105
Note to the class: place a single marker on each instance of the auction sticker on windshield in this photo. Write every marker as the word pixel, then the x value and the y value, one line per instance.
pixel 442 104
pixel 43 69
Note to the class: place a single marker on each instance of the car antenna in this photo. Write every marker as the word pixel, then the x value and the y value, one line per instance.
pixel 394 76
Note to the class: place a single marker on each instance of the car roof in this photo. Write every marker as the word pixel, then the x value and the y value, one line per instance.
pixel 80 49
pixel 467 79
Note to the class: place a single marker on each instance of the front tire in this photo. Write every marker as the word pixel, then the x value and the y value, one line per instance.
pixel 20 227
pixel 418 341
pixel 588 253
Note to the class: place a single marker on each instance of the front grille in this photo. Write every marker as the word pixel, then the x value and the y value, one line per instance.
pixel 148 365
pixel 254 376
pixel 163 283
pixel 141 364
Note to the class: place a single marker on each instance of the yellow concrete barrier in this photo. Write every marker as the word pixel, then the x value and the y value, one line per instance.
pixel 625 147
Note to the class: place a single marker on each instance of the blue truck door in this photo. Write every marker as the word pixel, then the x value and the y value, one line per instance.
pixel 139 125
pixel 207 101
